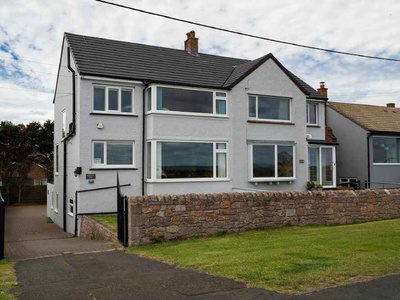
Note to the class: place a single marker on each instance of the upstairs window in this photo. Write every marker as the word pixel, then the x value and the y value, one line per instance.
pixel 312 113
pixel 187 101
pixel 112 99
pixel 269 108
pixel 64 124
pixel 386 150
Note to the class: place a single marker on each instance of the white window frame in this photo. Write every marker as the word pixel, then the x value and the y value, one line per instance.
pixel 64 124
pixel 71 207
pixel 154 109
pixel 275 178
pixel 372 150
pixel 309 105
pixel 268 120
pixel 153 145
pixel 105 165
pixel 106 108
pixel 56 205
pixel 57 160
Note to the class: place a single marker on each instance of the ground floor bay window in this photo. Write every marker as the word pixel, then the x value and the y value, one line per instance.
pixel 322 165
pixel 186 161
pixel 271 162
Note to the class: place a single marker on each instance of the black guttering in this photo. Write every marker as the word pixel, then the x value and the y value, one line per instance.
pixel 71 133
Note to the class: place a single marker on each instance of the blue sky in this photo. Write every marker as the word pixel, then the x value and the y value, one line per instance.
pixel 31 34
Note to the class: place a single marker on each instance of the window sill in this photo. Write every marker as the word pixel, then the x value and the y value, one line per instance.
pixel 188 180
pixel 313 125
pixel 270 122
pixel 111 168
pixel 56 211
pixel 71 215
pixel 386 164
pixel 254 180
pixel 177 113
pixel 114 114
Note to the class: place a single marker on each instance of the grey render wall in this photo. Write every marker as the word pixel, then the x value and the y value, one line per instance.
pixel 116 128
pixel 63 101
pixel 351 154
pixel 268 79
pixel 383 174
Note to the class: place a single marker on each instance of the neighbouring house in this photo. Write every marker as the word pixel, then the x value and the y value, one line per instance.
pixel 179 121
pixel 369 138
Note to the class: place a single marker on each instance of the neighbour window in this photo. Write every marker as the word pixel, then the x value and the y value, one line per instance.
pixel 386 150
pixel 312 113
pixel 118 154
pixel 52 200
pixel 57 155
pixel 188 101
pixel 189 160
pixel 272 161
pixel 71 207
pixel 39 181
pixel 112 99
pixel 148 99
pixel 148 154
pixel 64 124
pixel 269 108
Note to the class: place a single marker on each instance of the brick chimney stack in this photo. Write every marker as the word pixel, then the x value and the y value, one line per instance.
pixel 192 43
pixel 392 105
pixel 322 89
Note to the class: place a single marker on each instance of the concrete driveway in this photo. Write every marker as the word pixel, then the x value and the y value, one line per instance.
pixel 28 234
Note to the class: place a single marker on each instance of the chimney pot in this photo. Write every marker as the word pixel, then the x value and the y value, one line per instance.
pixel 391 104
pixel 322 89
pixel 192 43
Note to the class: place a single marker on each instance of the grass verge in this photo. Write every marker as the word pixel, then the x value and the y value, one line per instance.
pixel 7 279
pixel 291 260
pixel 109 220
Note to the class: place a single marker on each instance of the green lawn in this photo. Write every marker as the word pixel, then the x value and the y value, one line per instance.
pixel 7 278
pixel 108 220
pixel 291 259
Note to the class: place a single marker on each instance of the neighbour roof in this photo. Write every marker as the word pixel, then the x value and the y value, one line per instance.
pixel 125 60
pixel 370 117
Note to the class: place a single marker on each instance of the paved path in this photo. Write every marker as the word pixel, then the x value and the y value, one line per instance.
pixel 117 275
pixel 29 235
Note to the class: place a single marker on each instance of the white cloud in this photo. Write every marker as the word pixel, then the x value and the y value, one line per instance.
pixel 33 30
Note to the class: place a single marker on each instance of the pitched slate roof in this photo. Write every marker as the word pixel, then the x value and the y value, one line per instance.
pixel 124 60
pixel 370 117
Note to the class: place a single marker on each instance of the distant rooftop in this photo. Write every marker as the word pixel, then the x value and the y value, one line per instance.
pixel 370 117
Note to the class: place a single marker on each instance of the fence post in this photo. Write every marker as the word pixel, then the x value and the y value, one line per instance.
pixel 2 225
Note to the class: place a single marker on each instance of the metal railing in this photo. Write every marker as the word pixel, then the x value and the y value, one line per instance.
pixel 383 185
pixel 2 225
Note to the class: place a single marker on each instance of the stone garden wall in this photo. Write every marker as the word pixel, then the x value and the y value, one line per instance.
pixel 168 217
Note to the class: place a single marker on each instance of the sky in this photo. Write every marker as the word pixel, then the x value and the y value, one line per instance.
pixel 31 34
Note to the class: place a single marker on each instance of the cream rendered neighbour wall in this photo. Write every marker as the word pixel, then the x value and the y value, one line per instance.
pixel 116 128
pixel 268 79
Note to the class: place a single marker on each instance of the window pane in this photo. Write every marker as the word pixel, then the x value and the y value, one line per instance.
pixel 126 100
pixel 119 154
pixel 220 94
pixel 184 100
pixel 313 164
pixel 252 107
pixel 221 165
pixel 184 160
pixel 112 99
pixel 263 161
pixel 386 150
pixel 98 153
pixel 312 113
pixel 148 98
pixel 221 107
pixel 99 96
pixel 148 160
pixel 285 161
pixel 221 145
pixel 273 108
